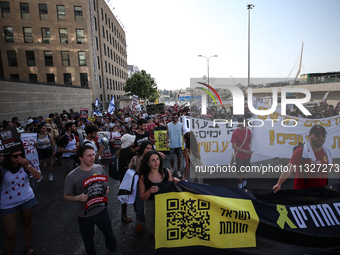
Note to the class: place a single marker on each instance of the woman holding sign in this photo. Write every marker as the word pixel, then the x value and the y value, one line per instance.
pixel 17 196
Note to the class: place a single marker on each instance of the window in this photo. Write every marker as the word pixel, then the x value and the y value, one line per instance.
pixel 80 36
pixel 82 58
pixel 107 36
pixel 61 12
pixel 110 39
pixel 101 12
pixel 108 52
pixel 14 77
pixel 108 97
pixel 78 13
pixel 63 35
pixel 109 68
pixel 48 58
pixel 12 58
pixel 9 34
pixel 65 58
pixel 97 43
pixel 33 77
pixel 94 4
pixel 25 11
pixel 30 58
pixel 100 82
pixel 95 23
pixel 43 11
pixel 103 30
pixel 112 69
pixel 5 10
pixel 50 78
pixel 67 79
pixel 105 66
pixel 110 84
pixel 105 19
pixel 45 32
pixel 104 49
pixel 98 62
pixel 101 97
pixel 109 23
pixel 107 83
pixel 83 80
pixel 111 55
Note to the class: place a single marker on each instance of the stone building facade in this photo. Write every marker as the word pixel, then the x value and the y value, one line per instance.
pixel 61 46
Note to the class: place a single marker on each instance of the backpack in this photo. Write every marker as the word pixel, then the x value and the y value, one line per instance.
pixel 114 168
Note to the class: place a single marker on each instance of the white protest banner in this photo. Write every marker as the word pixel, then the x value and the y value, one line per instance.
pixel 31 153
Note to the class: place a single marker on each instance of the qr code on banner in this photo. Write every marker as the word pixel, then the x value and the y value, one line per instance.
pixel 187 219
pixel 162 140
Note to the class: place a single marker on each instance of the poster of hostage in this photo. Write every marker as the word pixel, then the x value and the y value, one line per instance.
pixel 95 187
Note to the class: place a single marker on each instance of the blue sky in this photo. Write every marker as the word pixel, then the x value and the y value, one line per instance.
pixel 165 37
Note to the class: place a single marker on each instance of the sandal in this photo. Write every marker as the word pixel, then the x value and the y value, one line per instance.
pixel 126 219
pixel 139 228
pixel 29 250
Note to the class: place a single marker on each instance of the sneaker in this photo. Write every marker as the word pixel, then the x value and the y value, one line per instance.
pixel 172 171
pixel 50 177
pixel 179 175
pixel 40 179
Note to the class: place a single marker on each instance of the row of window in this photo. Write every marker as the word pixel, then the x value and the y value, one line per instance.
pixel 118 47
pixel 114 56
pixel 45 35
pixel 112 69
pixel 50 78
pixel 43 11
pixel 30 58
pixel 113 28
pixel 114 85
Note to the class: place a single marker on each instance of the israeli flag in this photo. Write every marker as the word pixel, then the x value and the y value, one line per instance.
pixel 96 107
pixel 111 106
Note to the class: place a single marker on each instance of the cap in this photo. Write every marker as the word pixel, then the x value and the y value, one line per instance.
pixel 36 121
pixel 65 115
pixel 29 121
pixel 317 129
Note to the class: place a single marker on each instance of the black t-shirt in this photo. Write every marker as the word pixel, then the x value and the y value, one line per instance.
pixel 140 138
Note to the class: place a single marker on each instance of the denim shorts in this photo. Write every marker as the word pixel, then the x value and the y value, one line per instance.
pixel 24 206
pixel 175 151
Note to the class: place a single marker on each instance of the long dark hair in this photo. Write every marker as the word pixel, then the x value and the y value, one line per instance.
pixel 7 163
pixel 191 143
pixel 123 154
pixel 145 169
pixel 142 147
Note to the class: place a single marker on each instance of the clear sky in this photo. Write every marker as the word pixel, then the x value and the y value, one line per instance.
pixel 165 37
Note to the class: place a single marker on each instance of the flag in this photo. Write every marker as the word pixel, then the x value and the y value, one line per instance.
pixel 111 106
pixel 156 101
pixel 96 107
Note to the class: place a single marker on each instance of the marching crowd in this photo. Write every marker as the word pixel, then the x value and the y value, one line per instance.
pixel 58 143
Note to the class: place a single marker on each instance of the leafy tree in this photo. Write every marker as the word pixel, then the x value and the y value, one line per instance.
pixel 142 85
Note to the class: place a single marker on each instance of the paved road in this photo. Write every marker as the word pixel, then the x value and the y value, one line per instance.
pixel 56 227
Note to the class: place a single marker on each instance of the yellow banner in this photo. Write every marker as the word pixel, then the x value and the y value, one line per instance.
pixel 160 137
pixel 186 219
pixel 91 119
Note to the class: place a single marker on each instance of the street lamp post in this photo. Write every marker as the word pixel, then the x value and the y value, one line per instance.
pixel 249 7
pixel 233 79
pixel 208 65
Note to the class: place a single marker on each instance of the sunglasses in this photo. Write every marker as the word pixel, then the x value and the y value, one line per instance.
pixel 323 135
pixel 175 117
pixel 16 155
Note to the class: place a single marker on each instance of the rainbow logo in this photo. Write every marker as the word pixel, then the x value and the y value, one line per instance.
pixel 212 89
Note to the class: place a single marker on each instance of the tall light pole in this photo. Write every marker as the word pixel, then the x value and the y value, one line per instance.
pixel 208 63
pixel 249 7
pixel 233 79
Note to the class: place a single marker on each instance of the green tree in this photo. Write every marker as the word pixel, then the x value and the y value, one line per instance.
pixel 142 85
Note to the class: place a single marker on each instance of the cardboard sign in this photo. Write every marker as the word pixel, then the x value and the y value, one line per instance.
pixel 10 141
pixel 155 109
pixel 95 187
pixel 93 119
pixel 84 112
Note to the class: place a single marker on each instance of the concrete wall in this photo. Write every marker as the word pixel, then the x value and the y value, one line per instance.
pixel 25 99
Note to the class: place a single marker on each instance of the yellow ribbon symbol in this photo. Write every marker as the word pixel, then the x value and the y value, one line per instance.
pixel 284 217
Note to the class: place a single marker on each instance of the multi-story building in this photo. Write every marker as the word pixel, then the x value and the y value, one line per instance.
pixel 75 46
pixel 132 69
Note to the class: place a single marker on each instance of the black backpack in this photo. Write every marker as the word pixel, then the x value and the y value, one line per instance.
pixel 114 168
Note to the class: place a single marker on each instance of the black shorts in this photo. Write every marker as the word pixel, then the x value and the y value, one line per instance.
pixel 45 153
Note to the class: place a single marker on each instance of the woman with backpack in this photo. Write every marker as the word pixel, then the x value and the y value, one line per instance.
pixel 125 154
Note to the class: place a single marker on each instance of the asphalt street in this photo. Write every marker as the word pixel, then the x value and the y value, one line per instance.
pixel 55 226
